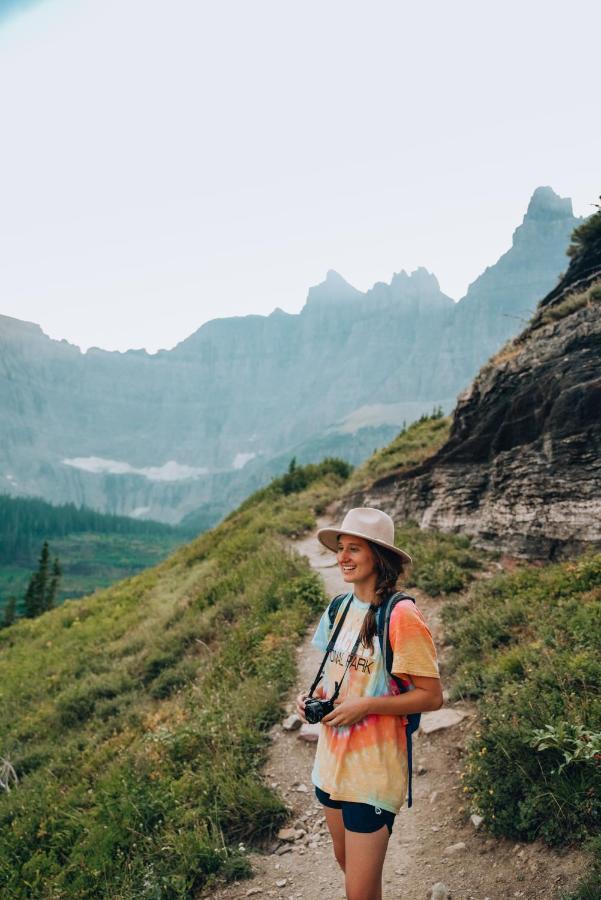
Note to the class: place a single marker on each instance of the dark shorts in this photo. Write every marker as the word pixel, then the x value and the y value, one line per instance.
pixel 359 817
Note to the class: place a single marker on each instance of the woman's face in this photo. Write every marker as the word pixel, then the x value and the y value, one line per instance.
pixel 355 559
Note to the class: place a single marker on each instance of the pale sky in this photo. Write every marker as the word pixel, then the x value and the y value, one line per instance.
pixel 162 164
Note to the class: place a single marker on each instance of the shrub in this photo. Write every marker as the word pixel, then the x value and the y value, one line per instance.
pixel 527 645
pixel 443 563
pixel 171 680
pixel 78 702
pixel 585 235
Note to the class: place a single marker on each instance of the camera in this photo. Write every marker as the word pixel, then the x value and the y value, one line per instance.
pixel 316 709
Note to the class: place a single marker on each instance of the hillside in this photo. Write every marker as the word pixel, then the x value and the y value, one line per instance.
pixel 137 720
pixel 94 549
pixel 521 468
pixel 193 430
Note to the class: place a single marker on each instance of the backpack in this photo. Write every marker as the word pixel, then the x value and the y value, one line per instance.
pixel 383 613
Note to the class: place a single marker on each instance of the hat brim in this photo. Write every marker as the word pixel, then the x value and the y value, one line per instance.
pixel 329 538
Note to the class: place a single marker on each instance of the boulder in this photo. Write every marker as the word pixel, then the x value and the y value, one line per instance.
pixel 439 719
pixel 439 891
pixel 309 733
pixel 455 848
pixel 292 723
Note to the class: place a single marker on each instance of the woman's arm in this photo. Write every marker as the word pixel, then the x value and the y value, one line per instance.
pixel 426 696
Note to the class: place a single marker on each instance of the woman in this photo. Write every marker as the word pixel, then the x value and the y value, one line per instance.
pixel 360 772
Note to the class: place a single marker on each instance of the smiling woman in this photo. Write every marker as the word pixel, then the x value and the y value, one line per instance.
pixel 361 770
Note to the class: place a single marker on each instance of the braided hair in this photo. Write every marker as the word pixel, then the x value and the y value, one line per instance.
pixel 389 568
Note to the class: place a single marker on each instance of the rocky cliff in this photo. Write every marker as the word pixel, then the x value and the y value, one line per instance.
pixel 204 424
pixel 521 471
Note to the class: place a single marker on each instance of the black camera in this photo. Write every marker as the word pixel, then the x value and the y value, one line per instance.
pixel 316 709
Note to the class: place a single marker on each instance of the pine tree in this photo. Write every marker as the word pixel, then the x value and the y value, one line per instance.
pixel 10 612
pixel 42 588
pixel 29 604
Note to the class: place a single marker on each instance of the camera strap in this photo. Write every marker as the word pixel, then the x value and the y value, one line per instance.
pixel 329 649
pixel 351 656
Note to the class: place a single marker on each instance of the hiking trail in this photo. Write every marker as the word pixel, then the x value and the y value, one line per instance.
pixel 434 841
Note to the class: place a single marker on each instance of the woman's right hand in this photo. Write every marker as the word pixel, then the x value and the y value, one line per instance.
pixel 300 704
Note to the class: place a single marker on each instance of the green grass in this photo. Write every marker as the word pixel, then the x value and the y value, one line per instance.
pixel 442 563
pixel 526 646
pixel 90 562
pixel 589 887
pixel 136 719
pixel 410 448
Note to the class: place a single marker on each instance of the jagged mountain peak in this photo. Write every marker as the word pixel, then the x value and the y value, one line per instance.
pixel 420 277
pixel 547 211
pixel 546 204
pixel 521 275
pixel 335 289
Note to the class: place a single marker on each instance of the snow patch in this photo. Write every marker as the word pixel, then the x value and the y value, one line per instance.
pixel 139 511
pixel 170 471
pixel 240 459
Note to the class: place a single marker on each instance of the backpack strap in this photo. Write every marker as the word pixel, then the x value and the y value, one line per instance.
pixel 334 606
pixel 383 615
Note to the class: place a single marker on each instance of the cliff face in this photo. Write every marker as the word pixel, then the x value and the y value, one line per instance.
pixel 521 470
pixel 209 421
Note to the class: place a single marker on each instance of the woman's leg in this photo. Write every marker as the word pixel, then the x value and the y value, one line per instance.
pixel 364 860
pixel 336 826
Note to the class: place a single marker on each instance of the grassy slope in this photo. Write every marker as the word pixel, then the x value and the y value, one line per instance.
pixel 136 719
pixel 411 447
pixel 90 562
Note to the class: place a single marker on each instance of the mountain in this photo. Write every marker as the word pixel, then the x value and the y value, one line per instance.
pixel 193 430
pixel 521 469
pixel 502 299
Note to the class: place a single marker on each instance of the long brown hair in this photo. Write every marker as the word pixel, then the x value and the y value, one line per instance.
pixel 389 568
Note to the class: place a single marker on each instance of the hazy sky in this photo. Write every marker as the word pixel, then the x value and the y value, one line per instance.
pixel 162 164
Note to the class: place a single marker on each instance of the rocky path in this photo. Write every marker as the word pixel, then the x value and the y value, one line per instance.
pixel 433 844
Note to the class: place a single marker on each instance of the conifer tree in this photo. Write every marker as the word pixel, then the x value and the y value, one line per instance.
pixel 10 612
pixel 43 586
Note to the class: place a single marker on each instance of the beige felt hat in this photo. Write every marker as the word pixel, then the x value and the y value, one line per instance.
pixel 365 522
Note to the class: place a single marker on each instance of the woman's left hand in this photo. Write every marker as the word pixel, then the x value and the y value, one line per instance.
pixel 347 711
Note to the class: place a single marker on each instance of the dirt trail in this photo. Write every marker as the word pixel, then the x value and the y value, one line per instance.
pixel 422 848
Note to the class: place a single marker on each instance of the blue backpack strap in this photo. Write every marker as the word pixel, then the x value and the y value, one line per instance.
pixel 413 719
pixel 334 606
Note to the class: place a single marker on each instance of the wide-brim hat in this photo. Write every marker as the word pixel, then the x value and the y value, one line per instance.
pixel 365 522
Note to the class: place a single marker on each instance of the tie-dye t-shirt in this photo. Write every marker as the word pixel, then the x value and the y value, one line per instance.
pixel 367 762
